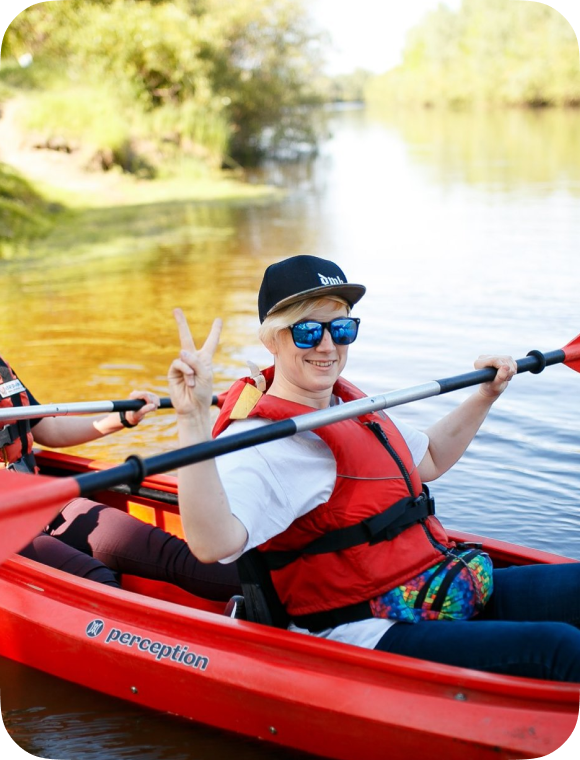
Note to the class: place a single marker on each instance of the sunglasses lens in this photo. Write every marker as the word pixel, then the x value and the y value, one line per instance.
pixel 343 331
pixel 307 334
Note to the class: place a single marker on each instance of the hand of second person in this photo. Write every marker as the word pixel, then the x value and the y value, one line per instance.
pixel 506 369
pixel 152 402
pixel 191 374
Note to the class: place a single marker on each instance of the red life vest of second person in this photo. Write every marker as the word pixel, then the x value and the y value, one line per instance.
pixel 16 439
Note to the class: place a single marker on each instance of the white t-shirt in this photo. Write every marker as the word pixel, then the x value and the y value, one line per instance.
pixel 271 485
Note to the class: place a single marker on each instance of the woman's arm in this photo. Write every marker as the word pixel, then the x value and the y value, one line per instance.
pixel 60 432
pixel 450 437
pixel 210 528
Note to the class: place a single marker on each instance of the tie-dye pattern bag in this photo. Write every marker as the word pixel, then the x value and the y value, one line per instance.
pixel 455 589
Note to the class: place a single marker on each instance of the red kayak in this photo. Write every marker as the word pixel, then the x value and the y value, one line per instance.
pixel 159 647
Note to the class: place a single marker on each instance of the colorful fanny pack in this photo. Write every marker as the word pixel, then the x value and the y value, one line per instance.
pixel 455 589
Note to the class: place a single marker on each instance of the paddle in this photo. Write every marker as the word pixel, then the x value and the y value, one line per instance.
pixel 54 493
pixel 78 407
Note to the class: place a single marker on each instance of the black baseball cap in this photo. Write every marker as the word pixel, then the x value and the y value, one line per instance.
pixel 300 277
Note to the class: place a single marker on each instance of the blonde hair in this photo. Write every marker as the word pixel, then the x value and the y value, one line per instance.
pixel 275 323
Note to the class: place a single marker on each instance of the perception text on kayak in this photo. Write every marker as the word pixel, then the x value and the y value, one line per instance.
pixel 175 652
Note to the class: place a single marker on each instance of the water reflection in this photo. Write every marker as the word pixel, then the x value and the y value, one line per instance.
pixel 519 149
pixel 71 722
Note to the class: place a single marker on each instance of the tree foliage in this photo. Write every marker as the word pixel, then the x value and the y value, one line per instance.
pixel 214 74
pixel 498 52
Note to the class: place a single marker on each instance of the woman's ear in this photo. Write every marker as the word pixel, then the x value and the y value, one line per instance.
pixel 271 343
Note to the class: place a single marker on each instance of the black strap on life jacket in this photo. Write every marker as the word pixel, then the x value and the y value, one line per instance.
pixel 461 563
pixel 13 432
pixel 383 526
pixel 319 621
pixel 19 429
pixel 262 604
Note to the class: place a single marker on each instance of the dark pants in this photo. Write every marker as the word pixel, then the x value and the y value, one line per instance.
pixel 530 627
pixel 98 542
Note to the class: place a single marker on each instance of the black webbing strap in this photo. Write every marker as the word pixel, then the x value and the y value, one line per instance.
pixel 422 595
pixel 381 527
pixel 27 463
pixel 462 562
pixel 319 621
pixel 23 428
pixel 262 603
pixel 13 432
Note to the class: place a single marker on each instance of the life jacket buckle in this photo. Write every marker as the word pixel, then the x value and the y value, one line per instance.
pixel 7 435
pixel 425 501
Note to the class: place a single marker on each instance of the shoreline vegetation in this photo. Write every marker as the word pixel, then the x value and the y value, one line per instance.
pixel 487 54
pixel 52 203
pixel 115 109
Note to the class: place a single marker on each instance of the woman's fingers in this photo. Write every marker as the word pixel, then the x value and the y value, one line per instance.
pixel 185 336
pixel 152 402
pixel 506 369
pixel 191 373
pixel 505 364
pixel 213 339
pixel 181 370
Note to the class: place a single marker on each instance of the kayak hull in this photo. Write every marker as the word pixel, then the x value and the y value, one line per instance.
pixel 161 648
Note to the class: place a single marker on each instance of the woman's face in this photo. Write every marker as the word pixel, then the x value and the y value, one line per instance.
pixel 307 375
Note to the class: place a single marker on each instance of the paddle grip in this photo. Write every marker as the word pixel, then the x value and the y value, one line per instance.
pixel 133 404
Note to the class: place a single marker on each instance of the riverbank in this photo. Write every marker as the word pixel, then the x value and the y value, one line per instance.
pixel 94 208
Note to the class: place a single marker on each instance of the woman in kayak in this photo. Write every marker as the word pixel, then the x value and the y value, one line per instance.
pixel 92 540
pixel 340 516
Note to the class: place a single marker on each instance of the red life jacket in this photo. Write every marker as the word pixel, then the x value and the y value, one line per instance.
pixel 372 479
pixel 16 440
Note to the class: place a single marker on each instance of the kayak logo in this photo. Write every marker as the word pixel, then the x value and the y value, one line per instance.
pixel 330 280
pixel 161 651
pixel 94 628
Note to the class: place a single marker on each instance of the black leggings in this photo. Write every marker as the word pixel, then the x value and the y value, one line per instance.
pixel 97 542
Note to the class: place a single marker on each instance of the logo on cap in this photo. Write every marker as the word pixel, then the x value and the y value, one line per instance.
pixel 330 280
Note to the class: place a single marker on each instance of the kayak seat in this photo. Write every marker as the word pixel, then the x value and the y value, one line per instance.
pixel 236 608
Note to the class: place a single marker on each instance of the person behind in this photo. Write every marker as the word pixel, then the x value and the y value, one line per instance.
pixel 340 515
pixel 89 539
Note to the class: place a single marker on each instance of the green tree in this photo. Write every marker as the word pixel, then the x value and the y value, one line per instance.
pixel 489 52
pixel 210 73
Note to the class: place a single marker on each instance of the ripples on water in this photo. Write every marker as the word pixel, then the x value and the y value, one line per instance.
pixel 466 233
pixel 52 719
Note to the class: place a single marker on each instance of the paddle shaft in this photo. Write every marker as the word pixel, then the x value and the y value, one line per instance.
pixel 134 470
pixel 29 501
pixel 78 407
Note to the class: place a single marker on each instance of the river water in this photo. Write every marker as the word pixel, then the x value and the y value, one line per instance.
pixel 466 231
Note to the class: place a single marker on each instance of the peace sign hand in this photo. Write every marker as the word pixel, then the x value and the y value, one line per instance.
pixel 191 374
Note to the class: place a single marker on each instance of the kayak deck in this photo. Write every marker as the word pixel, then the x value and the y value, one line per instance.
pixel 158 646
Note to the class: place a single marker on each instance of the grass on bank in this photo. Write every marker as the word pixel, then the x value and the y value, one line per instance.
pixel 120 214
pixel 92 209
pixel 152 213
pixel 124 155
pixel 24 213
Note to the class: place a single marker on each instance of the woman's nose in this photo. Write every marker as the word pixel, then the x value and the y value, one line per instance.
pixel 326 343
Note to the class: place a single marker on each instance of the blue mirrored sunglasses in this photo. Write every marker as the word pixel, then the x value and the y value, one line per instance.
pixel 308 334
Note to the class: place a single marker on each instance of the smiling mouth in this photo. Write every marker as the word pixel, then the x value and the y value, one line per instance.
pixel 321 364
